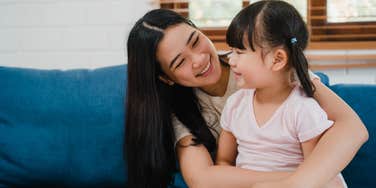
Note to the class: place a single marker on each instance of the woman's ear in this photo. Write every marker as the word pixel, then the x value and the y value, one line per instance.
pixel 280 59
pixel 166 80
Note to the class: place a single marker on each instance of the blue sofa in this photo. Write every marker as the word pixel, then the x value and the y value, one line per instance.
pixel 65 128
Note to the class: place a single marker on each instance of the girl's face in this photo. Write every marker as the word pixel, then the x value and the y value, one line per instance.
pixel 188 57
pixel 252 69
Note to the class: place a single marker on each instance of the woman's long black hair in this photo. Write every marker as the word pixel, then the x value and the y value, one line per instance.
pixel 151 104
pixel 274 23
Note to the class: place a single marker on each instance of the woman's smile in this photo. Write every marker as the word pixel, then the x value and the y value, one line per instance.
pixel 207 70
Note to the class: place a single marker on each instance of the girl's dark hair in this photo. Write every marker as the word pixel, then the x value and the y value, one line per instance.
pixel 151 104
pixel 274 23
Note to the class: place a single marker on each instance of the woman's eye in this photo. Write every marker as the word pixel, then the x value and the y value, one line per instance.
pixel 180 63
pixel 196 41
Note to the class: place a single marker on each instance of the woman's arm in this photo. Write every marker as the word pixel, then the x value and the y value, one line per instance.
pixel 227 149
pixel 307 148
pixel 198 169
pixel 336 147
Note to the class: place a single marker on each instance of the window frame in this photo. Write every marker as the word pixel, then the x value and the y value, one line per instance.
pixel 323 31
pixel 323 35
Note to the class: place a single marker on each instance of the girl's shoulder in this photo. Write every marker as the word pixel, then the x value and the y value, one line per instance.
pixel 239 97
pixel 299 100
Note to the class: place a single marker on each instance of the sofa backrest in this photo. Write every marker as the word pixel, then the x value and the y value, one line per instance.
pixel 66 128
pixel 62 128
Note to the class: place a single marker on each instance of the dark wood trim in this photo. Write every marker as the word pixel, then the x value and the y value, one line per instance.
pixel 324 35
pixel 341 57
pixel 366 45
pixel 342 66
pixel 324 31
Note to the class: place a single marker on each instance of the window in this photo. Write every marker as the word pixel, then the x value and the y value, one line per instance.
pixel 300 5
pixel 342 11
pixel 218 13
pixel 329 21
pixel 339 20
pixel 213 13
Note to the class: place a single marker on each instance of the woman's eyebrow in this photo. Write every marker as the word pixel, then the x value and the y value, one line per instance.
pixel 190 37
pixel 173 61
pixel 189 40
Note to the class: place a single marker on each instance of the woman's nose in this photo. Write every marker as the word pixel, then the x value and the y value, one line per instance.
pixel 198 60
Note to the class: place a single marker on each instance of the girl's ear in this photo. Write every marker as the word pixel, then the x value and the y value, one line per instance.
pixel 166 80
pixel 280 59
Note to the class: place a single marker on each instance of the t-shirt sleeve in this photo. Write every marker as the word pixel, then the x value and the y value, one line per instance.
pixel 311 121
pixel 312 75
pixel 225 117
pixel 180 129
pixel 229 109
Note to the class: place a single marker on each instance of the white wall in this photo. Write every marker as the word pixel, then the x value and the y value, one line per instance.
pixel 66 34
pixel 353 75
pixel 356 75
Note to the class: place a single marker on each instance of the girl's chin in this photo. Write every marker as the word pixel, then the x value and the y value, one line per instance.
pixel 241 84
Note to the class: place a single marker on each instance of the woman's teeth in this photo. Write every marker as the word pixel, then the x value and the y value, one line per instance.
pixel 205 69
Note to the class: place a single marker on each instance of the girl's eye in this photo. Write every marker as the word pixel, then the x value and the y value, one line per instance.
pixel 229 54
pixel 237 51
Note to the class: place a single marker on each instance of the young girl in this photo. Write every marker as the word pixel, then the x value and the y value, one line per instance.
pixel 272 123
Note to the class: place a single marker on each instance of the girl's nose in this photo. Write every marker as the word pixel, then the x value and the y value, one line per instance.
pixel 231 60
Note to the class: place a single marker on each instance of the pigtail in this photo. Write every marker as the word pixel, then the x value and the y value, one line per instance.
pixel 300 64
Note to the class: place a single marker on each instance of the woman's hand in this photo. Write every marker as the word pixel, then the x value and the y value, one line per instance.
pixel 198 169
pixel 286 183
pixel 274 184
pixel 335 183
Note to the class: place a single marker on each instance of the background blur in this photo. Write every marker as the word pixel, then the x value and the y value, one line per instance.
pixel 69 34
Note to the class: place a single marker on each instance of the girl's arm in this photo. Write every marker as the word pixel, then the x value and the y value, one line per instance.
pixel 198 169
pixel 335 148
pixel 227 149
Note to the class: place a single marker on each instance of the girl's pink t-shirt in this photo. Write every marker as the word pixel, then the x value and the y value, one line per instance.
pixel 276 145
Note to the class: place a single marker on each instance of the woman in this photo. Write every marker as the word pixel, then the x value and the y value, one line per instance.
pixel 177 86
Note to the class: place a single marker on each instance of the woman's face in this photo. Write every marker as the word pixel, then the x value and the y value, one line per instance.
pixel 188 57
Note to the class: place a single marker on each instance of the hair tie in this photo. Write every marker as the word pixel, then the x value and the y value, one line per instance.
pixel 293 40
